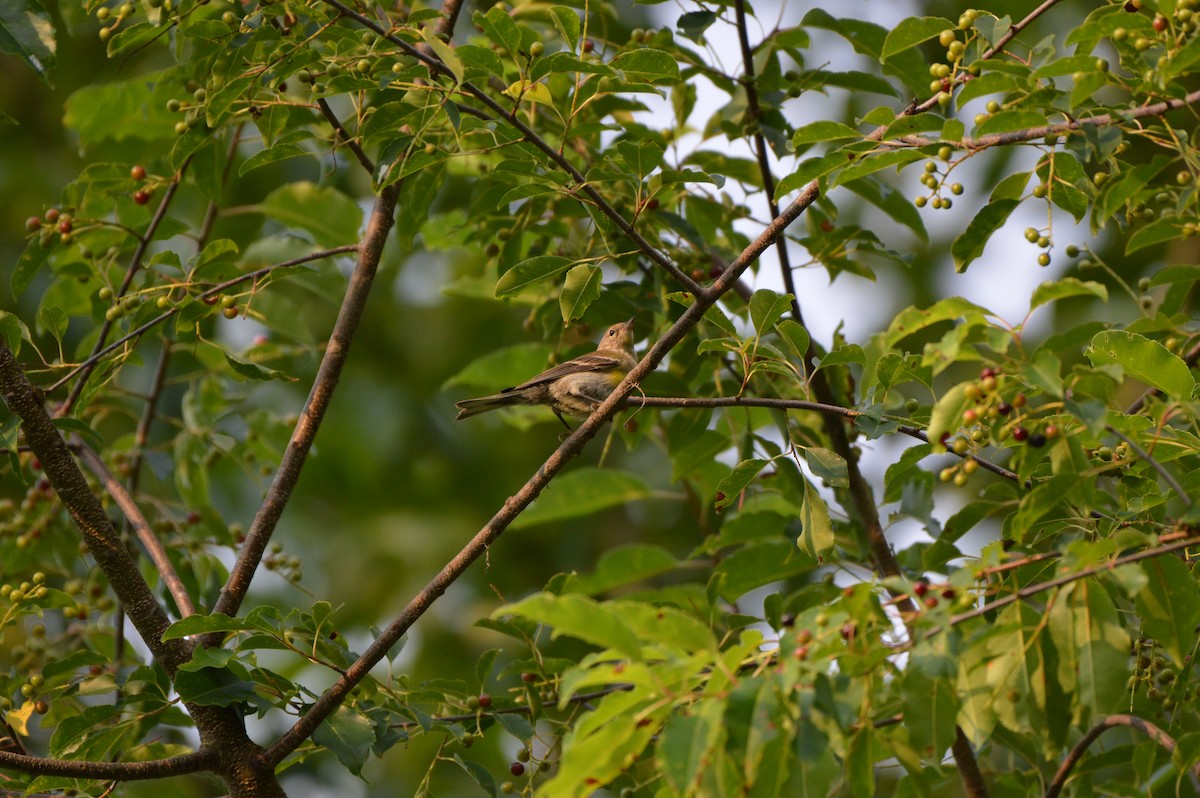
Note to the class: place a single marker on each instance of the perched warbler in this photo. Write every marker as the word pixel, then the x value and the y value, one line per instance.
pixel 576 386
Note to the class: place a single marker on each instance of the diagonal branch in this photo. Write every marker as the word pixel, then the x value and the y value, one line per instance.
pixel 88 514
pixel 341 132
pixel 133 514
pixel 211 292
pixel 353 304
pixel 572 446
pixel 1157 466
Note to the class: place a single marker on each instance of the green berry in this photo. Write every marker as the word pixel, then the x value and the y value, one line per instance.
pixel 1044 259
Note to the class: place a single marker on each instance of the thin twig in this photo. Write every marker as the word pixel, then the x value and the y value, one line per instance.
pixel 287 475
pixel 133 514
pixel 1164 740
pixel 344 135
pixel 1034 589
pixel 211 292
pixel 1157 466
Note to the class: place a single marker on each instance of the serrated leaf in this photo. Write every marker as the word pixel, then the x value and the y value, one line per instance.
pixel 1145 360
pixel 567 21
pixel 530 272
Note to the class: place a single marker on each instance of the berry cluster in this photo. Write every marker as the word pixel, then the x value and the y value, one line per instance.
pixel 946 74
pixel 1153 673
pixel 993 416
pixel 935 181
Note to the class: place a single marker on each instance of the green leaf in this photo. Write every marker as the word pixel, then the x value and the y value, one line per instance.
pixel 125 109
pixel 1093 649
pixel 580 289
pixel 510 365
pixel 931 711
pixel 579 617
pixel 827 465
pixel 213 687
pixel 1145 360
pixel 767 307
pixel 876 161
pixel 687 745
pixel 567 21
pixel 642 157
pixel 1169 228
pixel 1052 291
pixel 332 217
pixel 795 336
pixel 1010 121
pixel 971 242
pixel 79 426
pixel 912 31
pixel 253 371
pixel 205 624
pixel 530 272
pixel 824 131
pixel 947 412
pixel 499 27
pixel 349 734
pixel 756 564
pixel 1169 606
pixel 647 65
pixel 817 537
pixel 729 488
pixel 625 565
pixel 27 32
pixel 444 52
pixel 582 492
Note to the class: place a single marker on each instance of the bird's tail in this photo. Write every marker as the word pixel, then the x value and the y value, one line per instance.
pixel 473 407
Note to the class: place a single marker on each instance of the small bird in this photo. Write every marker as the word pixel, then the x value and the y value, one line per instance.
pixel 576 386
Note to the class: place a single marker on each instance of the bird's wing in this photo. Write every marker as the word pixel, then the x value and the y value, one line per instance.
pixel 583 363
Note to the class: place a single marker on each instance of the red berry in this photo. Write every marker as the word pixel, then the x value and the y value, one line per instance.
pixel 1020 433
pixel 138 172
pixel 949 594
pixel 193 517
pixel 1004 408
pixel 1160 23
pixel 1051 432
pixel 52 215
pixel 528 678
pixel 141 197
pixel 485 701
pixel 921 587
pixel 588 45
pixel 931 601
pixel 517 769
pixel 652 204
pixel 1037 440
pixel 987 372
pixel 847 630
pixel 33 224
pixel 65 226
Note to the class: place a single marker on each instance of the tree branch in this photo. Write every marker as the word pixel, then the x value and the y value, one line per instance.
pixel 211 292
pixel 1157 466
pixel 1165 741
pixel 1034 589
pixel 573 445
pixel 354 303
pixel 195 762
pixel 88 514
pixel 133 514
pixel 340 132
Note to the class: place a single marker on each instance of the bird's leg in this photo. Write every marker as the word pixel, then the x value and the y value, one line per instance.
pixel 564 421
